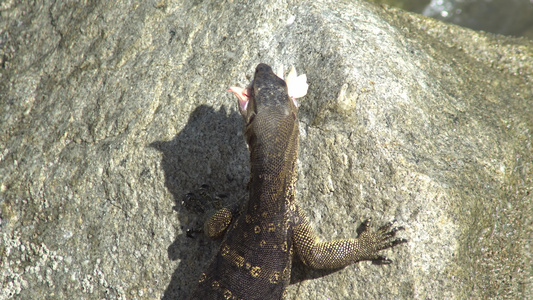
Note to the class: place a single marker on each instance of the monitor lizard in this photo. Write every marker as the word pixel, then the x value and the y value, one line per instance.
pixel 260 238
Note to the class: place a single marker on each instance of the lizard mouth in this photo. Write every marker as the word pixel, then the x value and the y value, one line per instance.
pixel 296 85
pixel 243 95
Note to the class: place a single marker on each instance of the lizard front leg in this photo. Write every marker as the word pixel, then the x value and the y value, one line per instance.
pixel 340 253
pixel 218 223
pixel 204 199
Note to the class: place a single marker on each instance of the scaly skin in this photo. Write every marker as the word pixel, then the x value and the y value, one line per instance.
pixel 255 258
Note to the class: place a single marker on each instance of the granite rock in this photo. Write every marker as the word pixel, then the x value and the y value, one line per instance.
pixel 113 111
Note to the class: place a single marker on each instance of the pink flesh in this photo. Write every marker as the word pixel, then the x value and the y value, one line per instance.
pixel 242 95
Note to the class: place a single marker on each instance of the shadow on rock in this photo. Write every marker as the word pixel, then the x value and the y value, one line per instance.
pixel 209 155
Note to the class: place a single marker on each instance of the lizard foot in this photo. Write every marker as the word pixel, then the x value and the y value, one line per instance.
pixel 374 241
pixel 202 201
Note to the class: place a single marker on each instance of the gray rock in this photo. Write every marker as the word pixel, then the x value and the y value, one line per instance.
pixel 112 112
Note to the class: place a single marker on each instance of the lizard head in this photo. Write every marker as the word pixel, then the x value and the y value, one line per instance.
pixel 270 97
pixel 269 109
pixel 269 89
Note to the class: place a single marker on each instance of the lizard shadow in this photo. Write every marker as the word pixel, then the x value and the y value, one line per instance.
pixel 209 153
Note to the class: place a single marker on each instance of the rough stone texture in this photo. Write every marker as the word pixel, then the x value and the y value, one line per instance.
pixel 111 112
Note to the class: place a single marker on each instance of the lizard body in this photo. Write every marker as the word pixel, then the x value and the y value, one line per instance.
pixel 255 257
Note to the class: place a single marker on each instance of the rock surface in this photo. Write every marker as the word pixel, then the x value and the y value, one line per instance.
pixel 112 112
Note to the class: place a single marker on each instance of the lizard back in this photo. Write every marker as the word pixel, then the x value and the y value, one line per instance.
pixel 255 258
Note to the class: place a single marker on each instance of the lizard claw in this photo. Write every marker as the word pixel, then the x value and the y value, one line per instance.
pixel 382 260
pixel 364 226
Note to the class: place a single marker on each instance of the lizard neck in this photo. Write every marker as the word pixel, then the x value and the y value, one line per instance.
pixel 273 173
